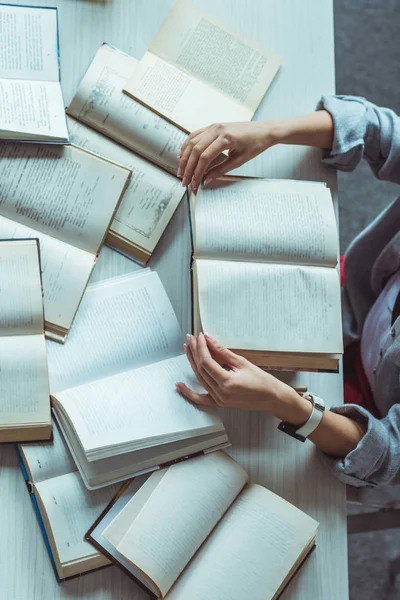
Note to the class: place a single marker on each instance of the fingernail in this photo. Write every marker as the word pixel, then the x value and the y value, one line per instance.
pixel 179 154
pixel 209 337
pixel 207 180
pixel 179 173
pixel 185 347
pixel 200 334
pixel 184 182
pixel 188 336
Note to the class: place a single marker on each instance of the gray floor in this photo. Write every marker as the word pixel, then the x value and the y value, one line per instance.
pixel 368 64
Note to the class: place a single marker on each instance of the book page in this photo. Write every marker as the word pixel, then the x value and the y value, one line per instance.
pixel 215 54
pixel 65 271
pixel 71 509
pixel 179 515
pixel 184 100
pixel 24 381
pixel 266 220
pixel 251 551
pixel 282 308
pixel 61 191
pixel 135 409
pixel 47 460
pixel 29 43
pixel 21 303
pixel 151 197
pixel 122 323
pixel 32 110
pixel 101 104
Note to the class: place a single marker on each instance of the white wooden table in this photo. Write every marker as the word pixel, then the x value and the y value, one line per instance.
pixel 302 34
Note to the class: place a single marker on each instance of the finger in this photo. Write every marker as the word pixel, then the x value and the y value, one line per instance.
pixel 202 399
pixel 204 160
pixel 189 137
pixel 222 354
pixel 193 139
pixel 204 379
pixel 208 364
pixel 224 167
pixel 195 150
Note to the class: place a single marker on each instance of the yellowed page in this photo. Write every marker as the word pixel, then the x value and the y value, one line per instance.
pixel 205 67
pixel 71 510
pixel 180 97
pixel 65 272
pixel 275 307
pixel 24 381
pixel 100 103
pixel 181 512
pixel 251 551
pixel 61 191
pixel 266 220
pixel 151 197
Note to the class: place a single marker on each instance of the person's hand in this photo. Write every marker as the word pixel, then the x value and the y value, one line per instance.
pixel 243 141
pixel 231 381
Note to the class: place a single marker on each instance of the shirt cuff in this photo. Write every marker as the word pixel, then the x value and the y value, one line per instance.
pixel 360 465
pixel 348 114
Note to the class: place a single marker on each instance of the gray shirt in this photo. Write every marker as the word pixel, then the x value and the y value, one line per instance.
pixel 363 130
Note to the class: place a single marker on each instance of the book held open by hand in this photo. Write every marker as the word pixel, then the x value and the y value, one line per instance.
pixel 101 118
pixel 198 71
pixel 66 197
pixel 24 381
pixel 265 282
pixel 113 384
pixel 31 101
pixel 199 530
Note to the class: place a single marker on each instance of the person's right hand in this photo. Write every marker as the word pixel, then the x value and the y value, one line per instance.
pixel 243 141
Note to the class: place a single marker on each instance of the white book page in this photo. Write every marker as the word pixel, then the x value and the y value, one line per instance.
pixel 180 514
pixel 24 381
pixel 101 104
pixel 122 323
pixel 71 510
pixel 136 409
pixel 266 220
pixel 21 303
pixel 61 191
pixel 32 109
pixel 29 43
pixel 47 460
pixel 151 197
pixel 215 54
pixel 272 307
pixel 181 98
pixel 250 552
pixel 65 272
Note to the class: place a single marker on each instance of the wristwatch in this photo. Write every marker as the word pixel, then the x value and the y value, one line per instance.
pixel 311 424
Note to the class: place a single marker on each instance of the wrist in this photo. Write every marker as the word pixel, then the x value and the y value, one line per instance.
pixel 290 407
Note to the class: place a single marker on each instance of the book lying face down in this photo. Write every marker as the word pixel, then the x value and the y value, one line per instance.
pixel 198 530
pixel 113 384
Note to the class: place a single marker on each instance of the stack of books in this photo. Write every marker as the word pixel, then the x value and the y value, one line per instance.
pixel 97 401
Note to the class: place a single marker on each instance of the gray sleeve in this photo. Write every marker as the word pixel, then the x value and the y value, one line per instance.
pixel 376 460
pixel 363 130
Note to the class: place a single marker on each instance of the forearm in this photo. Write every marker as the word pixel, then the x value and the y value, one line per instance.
pixel 336 435
pixel 315 129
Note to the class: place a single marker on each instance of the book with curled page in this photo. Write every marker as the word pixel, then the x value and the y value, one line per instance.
pixel 101 118
pixel 112 384
pixel 198 71
pixel 31 101
pixel 199 530
pixel 264 271
pixel 64 507
pixel 66 197
pixel 24 380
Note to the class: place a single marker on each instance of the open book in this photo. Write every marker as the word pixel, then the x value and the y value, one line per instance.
pixel 198 530
pixel 64 507
pixel 113 384
pixel 24 381
pixel 31 102
pixel 264 277
pixel 103 119
pixel 66 197
pixel 197 71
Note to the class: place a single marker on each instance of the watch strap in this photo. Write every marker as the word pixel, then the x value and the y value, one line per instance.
pixel 302 433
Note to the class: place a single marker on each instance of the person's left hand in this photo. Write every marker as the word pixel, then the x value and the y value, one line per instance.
pixel 230 380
